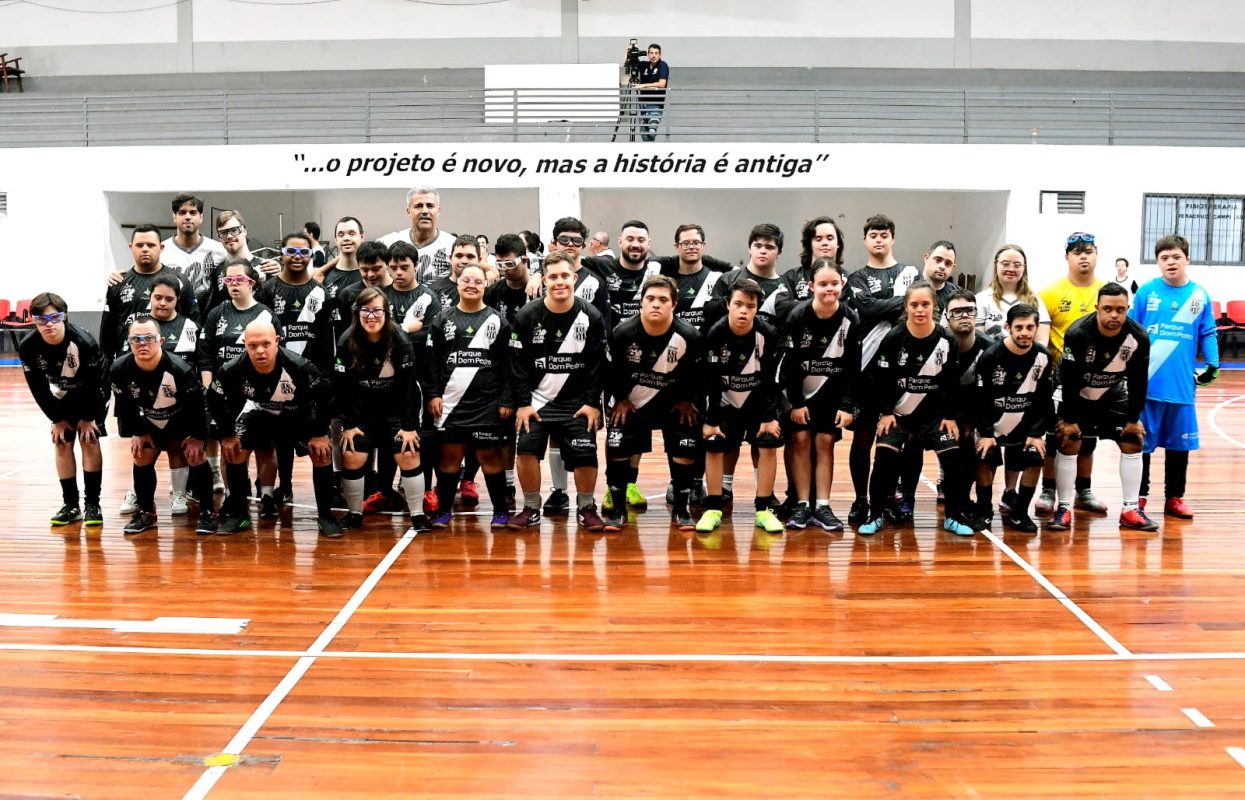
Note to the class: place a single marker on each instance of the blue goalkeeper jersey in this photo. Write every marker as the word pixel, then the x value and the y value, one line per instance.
pixel 1178 319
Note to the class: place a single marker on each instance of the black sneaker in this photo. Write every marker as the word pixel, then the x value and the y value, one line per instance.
pixel 859 513
pixel 510 495
pixel 892 512
pixel 268 508
pixel 92 515
pixel 284 495
pixel 669 494
pixel 614 519
pixel 1020 521
pixel 329 527
pixel 786 508
pixel 557 504
pixel 825 519
pixel 231 525
pixel 905 509
pixel 420 523
pixel 352 520
pixel 682 519
pixel 67 514
pixel 141 521
pixel 942 496
pixel 1009 501
pixel 208 522
pixel 800 517
pixel 728 497
pixel 698 492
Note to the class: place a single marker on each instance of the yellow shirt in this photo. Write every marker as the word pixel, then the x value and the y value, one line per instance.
pixel 1066 304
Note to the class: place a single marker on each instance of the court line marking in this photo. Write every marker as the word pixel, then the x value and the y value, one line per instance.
pixel 191 625
pixel 1159 683
pixel 1238 754
pixel 1197 718
pixel 28 465
pixel 1213 421
pixel 247 732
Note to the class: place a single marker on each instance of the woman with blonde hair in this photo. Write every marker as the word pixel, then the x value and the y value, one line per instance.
pixel 1009 286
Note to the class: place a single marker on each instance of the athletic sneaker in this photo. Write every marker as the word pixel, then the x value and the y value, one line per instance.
pixel 681 518
pixel 420 523
pixel 728 497
pixel 228 526
pixel 67 514
pixel 825 519
pixel 441 519
pixel 607 502
pixel 283 494
pixel 859 512
pixel 207 523
pixel 527 518
pixel 470 494
pixel 268 508
pixel 1020 521
pixel 698 492
pixel 382 503
pixel 557 504
pixel 1061 520
pixel 1009 500
pixel 129 503
pixel 329 527
pixel 180 504
pixel 92 515
pixel 952 525
pixel 1086 501
pixel 1175 507
pixel 635 499
pixel 141 521
pixel 1045 503
pixel 892 512
pixel 905 509
pixel 1137 520
pixel 501 519
pixel 218 482
pixel 614 520
pixel 767 521
pixel 352 520
pixel 589 518
pixel 786 508
pixel 942 496
pixel 669 494
pixel 800 517
pixel 709 521
pixel 870 527
pixel 1141 503
pixel 431 504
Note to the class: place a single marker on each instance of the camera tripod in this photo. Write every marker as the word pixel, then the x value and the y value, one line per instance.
pixel 628 108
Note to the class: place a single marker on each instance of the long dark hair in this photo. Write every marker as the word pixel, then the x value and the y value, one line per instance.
pixel 806 240
pixel 357 345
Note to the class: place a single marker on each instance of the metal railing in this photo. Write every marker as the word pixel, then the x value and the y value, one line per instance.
pixel 1200 118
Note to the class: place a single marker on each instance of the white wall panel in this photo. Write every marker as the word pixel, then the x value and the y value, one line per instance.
pixel 87 22
pixel 1112 20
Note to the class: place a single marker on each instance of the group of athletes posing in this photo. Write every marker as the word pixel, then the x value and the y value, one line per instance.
pixel 433 367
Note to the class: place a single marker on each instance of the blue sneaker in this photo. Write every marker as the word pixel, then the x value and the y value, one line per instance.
pixel 441 519
pixel 501 519
pixel 958 528
pixel 870 527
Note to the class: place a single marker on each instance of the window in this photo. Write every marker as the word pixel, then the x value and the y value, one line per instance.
pixel 1051 202
pixel 1213 224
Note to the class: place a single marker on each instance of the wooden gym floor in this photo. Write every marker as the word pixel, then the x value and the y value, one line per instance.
pixel 556 663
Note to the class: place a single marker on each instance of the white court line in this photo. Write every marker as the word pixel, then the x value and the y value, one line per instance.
pixel 1159 683
pixel 1213 421
pixel 257 719
pixel 1197 718
pixel 1238 754
pixel 193 625
pixel 29 465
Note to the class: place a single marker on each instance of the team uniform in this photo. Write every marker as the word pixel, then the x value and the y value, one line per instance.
pixel 131 298
pixel 740 384
pixel 1104 379
pixel 67 380
pixel 695 292
pixel 221 339
pixel 1013 399
pixel 821 366
pixel 877 297
pixel 305 317
pixel 469 372
pixel 193 264
pixel 558 366
pixel 434 257
pixel 622 283
pixel 181 337
pixel 507 300
pixel 336 283
pixel 653 373
pixel 418 304
pixel 379 397
pixel 216 292
pixel 1065 304
pixel 775 300
pixel 992 314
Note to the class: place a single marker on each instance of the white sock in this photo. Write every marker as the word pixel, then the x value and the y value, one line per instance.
pixel 1065 478
pixel 414 489
pixel 1130 479
pixel 214 462
pixel 178 478
pixel 557 471
pixel 822 503
pixel 265 491
pixel 352 490
pixel 728 482
pixel 510 477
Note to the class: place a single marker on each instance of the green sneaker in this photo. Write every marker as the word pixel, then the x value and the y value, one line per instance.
pixel 608 503
pixel 767 521
pixel 635 499
pixel 709 521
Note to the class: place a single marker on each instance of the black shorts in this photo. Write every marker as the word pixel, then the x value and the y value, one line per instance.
pixel 577 445
pixel 820 419
pixel 1012 452
pixel 739 426
pixel 259 430
pixel 635 436
pixel 484 437
pixel 72 433
pixel 377 434
pixel 929 435
pixel 1106 423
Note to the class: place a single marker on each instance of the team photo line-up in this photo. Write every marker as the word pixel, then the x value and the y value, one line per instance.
pixel 404 367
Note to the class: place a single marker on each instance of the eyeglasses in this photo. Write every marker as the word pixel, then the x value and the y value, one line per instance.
pixel 236 280
pixel 143 338
pixel 962 311
pixel 55 318
pixel 296 251
pixel 571 241
pixel 1011 264
pixel 1080 236
pixel 471 281
pixel 692 243
pixel 509 263
pixel 371 313
pixel 228 233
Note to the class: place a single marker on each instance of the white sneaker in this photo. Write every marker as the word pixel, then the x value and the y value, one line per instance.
pixel 218 482
pixel 180 504
pixel 129 504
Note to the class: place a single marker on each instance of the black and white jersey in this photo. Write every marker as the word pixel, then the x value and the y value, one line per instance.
pixel 741 372
pixel 623 284
pixel 469 367
pixel 434 257
pixel 916 378
pixel 168 399
pixel 181 337
pixel 506 299
pixel 221 339
pixel 1014 393
pixel 216 292
pixel 380 386
pixel 695 292
pixel 822 361
pixel 799 283
pixel 132 297
pixel 306 322
pixel 419 304
pixel 295 393
pixel 446 291
pixel 775 305
pixel 590 286
pixel 877 297
pixel 654 373
pixel 965 398
pixel 1095 367
pixel 193 263
pixel 67 380
pixel 336 282
pixel 558 360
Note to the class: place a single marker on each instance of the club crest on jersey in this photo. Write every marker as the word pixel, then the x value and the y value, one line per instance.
pixel 127 294
pixel 903 358
pixel 672 355
pixel 806 340
pixel 939 357
pixel 1153 302
pixel 999 377
pixel 1195 306
pixel 313 303
pixel 247 389
pixel 135 391
pixel 41 363
pixel 278 305
pixel 168 391
pixel 1089 354
pixel 451 330
pixel 580 332
pixel 1126 353
pixel 633 353
pixel 286 386
pixel 221 325
pixel 875 285
pixel 614 282
pixel 538 335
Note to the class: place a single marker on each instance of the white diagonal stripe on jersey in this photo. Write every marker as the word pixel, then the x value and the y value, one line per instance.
pixel 461 377
pixel 836 348
pixel 166 396
pixel 551 384
pixel 770 306
pixel 68 370
pixel 871 342
pixel 312 303
pixel 737 399
pixel 1117 364
pixel 296 347
pixel 641 395
pixel 1008 422
pixel 933 365
pixel 262 316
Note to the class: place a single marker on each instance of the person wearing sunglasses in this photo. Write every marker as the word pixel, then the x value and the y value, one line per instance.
pixel 65 370
pixel 423 207
pixel 232 233
pixel 1071 298
pixel 129 293
pixel 160 401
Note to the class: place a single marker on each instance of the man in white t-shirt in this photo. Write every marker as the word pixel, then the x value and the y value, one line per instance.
pixel 188 251
pixel 423 206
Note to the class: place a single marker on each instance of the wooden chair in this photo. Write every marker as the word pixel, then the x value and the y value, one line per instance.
pixel 11 70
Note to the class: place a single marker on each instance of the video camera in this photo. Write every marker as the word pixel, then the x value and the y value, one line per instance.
pixel 634 64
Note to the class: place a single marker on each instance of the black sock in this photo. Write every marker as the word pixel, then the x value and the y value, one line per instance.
pixel 471 466
pixel 145 487
pixel 714 502
pixel 681 477
pixel 91 482
pixel 322 481
pixel 285 465
pixel 386 471
pixel 497 493
pixel 238 479
pixel 913 459
pixel 1082 484
pixel 858 463
pixel 985 499
pixel 69 491
pixel 1175 472
pixel 882 483
pixel 762 503
pixel 447 485
pixel 954 483
pixel 1145 474
pixel 199 482
pixel 1048 484
pixel 1024 498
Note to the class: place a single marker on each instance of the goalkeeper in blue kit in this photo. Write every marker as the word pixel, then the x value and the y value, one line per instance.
pixel 1177 314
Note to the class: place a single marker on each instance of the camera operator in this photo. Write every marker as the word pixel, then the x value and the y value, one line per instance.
pixel 650 79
